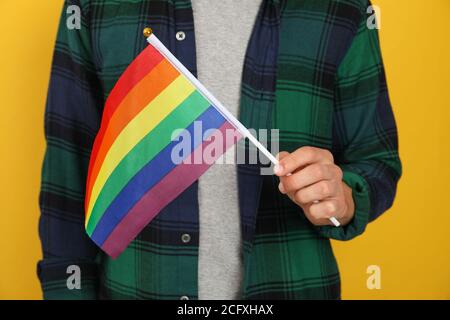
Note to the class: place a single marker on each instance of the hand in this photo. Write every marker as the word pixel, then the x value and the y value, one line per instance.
pixel 315 184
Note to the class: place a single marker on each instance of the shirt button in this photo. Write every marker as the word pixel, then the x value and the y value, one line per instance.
pixel 180 36
pixel 184 298
pixel 185 238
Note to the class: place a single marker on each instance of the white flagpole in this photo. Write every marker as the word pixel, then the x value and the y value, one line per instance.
pixel 156 43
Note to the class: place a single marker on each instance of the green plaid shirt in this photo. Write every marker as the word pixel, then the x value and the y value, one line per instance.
pixel 313 70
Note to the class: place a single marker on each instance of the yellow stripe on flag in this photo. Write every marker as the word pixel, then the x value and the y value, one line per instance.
pixel 138 128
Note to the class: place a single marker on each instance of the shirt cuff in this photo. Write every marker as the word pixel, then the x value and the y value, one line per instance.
pixel 361 198
pixel 63 279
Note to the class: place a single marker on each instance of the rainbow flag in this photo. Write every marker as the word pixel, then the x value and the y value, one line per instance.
pixel 132 175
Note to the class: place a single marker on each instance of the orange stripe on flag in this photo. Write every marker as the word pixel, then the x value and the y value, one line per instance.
pixel 137 70
pixel 137 99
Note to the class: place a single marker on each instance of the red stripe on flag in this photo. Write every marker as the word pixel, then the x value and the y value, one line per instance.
pixel 136 71
pixel 137 99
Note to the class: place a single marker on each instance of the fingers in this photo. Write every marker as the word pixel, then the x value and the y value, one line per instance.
pixel 277 169
pixel 310 175
pixel 320 213
pixel 310 178
pixel 300 158
pixel 319 191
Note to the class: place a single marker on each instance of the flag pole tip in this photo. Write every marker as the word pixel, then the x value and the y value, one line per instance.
pixel 147 32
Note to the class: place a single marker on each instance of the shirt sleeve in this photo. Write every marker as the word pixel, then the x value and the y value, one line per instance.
pixel 72 118
pixel 365 141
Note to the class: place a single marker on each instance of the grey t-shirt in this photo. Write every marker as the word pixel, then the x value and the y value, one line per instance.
pixel 222 31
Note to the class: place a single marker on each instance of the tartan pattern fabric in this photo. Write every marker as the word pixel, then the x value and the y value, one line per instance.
pixel 312 69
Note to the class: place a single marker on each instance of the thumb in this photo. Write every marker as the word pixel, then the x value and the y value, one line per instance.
pixel 282 154
pixel 277 169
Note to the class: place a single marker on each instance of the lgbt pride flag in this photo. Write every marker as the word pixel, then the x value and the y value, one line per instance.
pixel 132 175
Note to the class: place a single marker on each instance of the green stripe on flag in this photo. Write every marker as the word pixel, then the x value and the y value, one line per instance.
pixel 153 143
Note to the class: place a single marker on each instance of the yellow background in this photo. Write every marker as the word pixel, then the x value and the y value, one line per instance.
pixel 411 242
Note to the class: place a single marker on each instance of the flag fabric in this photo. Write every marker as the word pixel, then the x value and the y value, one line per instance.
pixel 132 175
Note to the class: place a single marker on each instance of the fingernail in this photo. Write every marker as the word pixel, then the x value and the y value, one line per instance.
pixel 281 187
pixel 278 169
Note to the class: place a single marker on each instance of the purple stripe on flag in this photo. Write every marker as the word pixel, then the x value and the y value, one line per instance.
pixel 174 183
